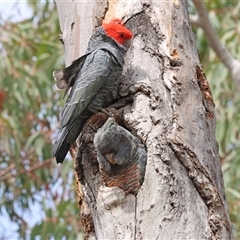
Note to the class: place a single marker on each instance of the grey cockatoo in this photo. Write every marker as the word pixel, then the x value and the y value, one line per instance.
pixel 94 78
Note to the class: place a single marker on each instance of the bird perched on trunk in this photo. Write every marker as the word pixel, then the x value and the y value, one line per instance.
pixel 94 78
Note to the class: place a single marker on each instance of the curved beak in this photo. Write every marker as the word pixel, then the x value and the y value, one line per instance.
pixel 127 43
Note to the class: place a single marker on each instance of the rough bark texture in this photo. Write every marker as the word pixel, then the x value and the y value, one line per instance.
pixel 166 102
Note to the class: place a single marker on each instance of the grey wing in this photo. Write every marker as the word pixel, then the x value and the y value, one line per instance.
pixel 89 81
pixel 66 77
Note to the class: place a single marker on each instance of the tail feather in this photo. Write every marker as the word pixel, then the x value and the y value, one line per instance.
pixel 62 152
pixel 65 138
pixel 61 146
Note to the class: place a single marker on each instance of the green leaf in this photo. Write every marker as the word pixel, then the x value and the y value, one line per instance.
pixel 234 192
pixel 32 139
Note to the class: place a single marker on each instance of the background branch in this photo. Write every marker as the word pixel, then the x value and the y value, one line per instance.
pixel 223 54
pixel 34 167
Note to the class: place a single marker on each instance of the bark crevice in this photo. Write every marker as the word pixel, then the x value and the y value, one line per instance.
pixel 206 92
pixel 90 180
pixel 205 186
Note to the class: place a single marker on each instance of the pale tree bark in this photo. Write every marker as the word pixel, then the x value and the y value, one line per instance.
pixel 165 101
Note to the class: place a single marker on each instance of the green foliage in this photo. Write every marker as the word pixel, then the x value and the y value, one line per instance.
pixel 59 223
pixel 224 15
pixel 30 51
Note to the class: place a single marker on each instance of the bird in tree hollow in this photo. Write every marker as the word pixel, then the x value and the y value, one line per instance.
pixel 93 79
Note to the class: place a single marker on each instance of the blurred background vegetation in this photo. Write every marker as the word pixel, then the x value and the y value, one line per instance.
pixel 38 197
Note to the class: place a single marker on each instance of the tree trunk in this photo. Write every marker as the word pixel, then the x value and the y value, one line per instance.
pixel 165 101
